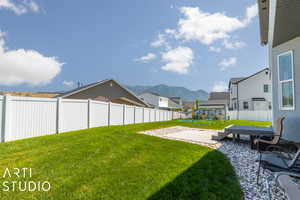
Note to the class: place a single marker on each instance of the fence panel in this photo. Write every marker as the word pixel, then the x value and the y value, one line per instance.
pixel 129 115
pixel 116 114
pixel 1 113
pixel 152 115
pixel 157 119
pixel 161 115
pixel 258 115
pixel 73 115
pixel 138 115
pixel 30 117
pixel 146 115
pixel 98 114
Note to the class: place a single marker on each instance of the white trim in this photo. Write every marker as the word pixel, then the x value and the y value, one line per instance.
pixel 285 81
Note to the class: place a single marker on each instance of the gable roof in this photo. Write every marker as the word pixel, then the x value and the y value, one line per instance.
pixel 85 87
pixel 218 96
pixel 252 75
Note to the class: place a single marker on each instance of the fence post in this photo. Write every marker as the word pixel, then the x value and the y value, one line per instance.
pixel 89 114
pixel 124 110
pixel 143 114
pixel 134 113
pixel 5 117
pixel 109 113
pixel 58 114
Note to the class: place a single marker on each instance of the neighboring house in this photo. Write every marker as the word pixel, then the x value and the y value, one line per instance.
pixel 158 101
pixel 177 100
pixel 106 90
pixel 280 29
pixel 216 107
pixel 251 93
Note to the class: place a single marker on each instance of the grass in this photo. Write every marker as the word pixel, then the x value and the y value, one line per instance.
pixel 117 163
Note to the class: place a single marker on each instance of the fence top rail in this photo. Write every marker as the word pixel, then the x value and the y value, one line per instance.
pixel 128 106
pixel 74 100
pixel 36 99
pixel 99 102
pixel 116 104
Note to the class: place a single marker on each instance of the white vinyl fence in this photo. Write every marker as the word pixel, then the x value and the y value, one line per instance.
pixel 257 115
pixel 25 117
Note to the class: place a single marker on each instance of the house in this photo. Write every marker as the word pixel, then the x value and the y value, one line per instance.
pixel 252 92
pixel 159 101
pixel 216 107
pixel 280 30
pixel 106 90
pixel 177 100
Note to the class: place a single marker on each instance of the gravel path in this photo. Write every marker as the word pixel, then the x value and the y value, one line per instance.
pixel 240 155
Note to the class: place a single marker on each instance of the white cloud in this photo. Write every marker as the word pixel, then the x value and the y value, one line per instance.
pixel 208 27
pixel 233 45
pixel 147 58
pixel 178 59
pixel 68 83
pixel 214 49
pixel 227 63
pixel 26 66
pixel 19 8
pixel 251 12
pixel 161 40
pixel 220 86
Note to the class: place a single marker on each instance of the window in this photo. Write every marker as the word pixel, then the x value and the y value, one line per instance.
pixel 246 105
pixel 266 88
pixel 286 81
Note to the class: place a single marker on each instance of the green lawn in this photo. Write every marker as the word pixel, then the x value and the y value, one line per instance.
pixel 117 163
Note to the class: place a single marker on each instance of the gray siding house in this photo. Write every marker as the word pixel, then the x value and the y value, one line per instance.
pixel 106 90
pixel 159 101
pixel 280 30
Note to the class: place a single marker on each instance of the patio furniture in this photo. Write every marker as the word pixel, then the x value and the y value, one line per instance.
pixel 271 140
pixel 252 131
pixel 290 183
pixel 279 161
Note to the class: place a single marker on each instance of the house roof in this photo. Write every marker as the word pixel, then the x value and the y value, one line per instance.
pixel 279 21
pixel 85 87
pixel 218 96
pixel 263 9
pixel 252 75
pixel 234 81
pixel 214 102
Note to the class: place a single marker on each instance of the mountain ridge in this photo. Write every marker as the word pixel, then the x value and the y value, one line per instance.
pixel 171 91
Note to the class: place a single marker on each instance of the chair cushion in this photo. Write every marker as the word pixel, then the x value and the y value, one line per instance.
pixel 274 161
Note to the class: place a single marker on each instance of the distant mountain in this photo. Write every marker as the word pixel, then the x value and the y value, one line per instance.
pixel 171 91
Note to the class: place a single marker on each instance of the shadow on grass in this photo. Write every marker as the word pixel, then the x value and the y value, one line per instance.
pixel 212 177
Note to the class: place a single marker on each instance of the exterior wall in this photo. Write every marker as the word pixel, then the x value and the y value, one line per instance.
pixel 292 121
pixel 109 90
pixel 253 87
pixel 163 102
pixel 232 95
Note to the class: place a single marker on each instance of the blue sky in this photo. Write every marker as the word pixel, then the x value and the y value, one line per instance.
pixel 198 44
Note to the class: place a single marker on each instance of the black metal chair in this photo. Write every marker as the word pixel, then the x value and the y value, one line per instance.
pixel 275 138
pixel 282 160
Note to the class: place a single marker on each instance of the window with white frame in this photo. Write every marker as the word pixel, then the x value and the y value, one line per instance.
pixel 266 88
pixel 286 80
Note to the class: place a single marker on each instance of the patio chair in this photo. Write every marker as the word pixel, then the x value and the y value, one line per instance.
pixel 275 138
pixel 279 161
pixel 290 183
